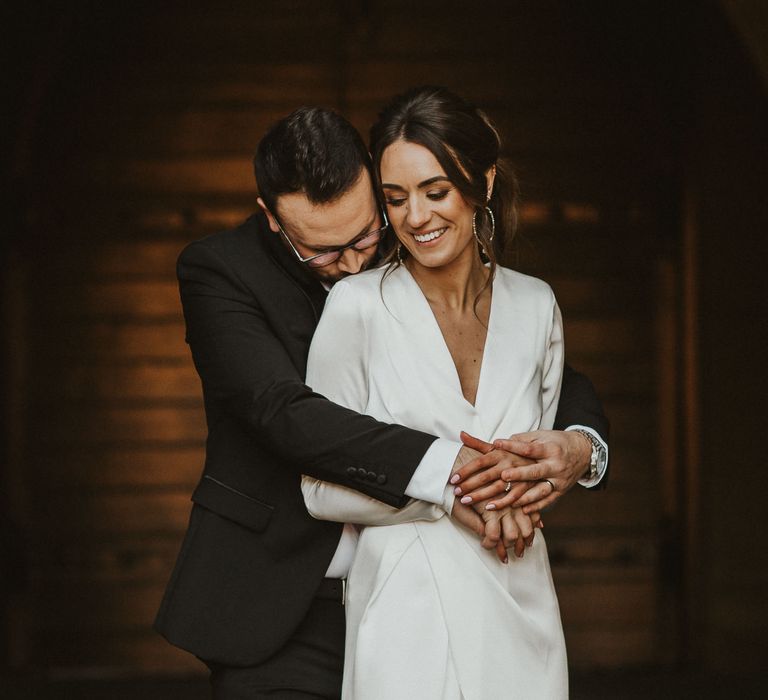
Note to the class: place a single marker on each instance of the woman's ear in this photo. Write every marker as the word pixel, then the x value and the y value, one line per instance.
pixel 271 220
pixel 490 176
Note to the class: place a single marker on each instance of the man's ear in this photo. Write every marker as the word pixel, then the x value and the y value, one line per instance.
pixel 271 220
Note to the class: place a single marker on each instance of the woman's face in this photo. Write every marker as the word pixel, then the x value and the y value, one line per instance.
pixel 428 213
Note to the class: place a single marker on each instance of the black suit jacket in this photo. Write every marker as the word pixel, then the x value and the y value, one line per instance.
pixel 252 557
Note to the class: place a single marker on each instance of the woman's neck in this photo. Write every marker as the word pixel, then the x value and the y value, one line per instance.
pixel 456 285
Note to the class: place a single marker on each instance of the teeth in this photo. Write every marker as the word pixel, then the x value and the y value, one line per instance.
pixel 429 236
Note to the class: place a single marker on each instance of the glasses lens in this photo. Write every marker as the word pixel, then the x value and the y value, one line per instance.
pixel 371 239
pixel 325 259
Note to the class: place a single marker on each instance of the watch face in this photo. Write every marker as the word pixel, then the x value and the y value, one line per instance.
pixel 601 457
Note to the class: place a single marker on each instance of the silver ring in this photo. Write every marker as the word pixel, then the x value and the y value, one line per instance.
pixel 508 487
pixel 550 483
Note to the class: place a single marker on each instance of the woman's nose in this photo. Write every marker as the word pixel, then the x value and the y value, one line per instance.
pixel 417 214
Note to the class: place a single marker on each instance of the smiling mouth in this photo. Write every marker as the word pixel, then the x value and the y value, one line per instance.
pixel 431 236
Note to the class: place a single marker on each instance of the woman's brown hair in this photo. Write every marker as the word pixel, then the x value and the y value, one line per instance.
pixel 467 145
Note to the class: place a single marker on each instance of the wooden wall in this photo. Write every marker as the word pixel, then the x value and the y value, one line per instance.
pixel 143 142
pixel 728 212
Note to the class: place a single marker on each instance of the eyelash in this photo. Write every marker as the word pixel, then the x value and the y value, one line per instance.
pixel 434 196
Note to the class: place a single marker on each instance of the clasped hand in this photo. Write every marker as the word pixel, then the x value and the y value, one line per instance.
pixel 501 487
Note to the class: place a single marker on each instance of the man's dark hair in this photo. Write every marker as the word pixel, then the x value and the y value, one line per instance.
pixel 314 151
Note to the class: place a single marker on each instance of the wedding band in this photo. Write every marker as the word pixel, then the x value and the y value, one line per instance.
pixel 550 483
pixel 508 487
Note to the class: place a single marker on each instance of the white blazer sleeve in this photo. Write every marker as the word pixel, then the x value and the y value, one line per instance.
pixel 327 501
pixel 337 368
pixel 552 371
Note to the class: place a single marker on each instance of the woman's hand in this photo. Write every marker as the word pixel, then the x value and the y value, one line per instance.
pixel 509 527
pixel 480 478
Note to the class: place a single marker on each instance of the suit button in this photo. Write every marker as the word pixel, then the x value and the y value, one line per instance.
pixel 352 471
pixel 362 472
pixel 381 479
pixel 371 476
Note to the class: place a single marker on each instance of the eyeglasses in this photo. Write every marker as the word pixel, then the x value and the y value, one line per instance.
pixel 366 240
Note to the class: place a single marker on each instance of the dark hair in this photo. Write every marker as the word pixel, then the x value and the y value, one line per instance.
pixel 466 145
pixel 314 151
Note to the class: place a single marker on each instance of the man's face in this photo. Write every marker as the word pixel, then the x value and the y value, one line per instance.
pixel 316 228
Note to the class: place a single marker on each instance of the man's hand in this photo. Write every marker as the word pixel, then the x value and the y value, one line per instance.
pixel 478 478
pixel 499 529
pixel 552 462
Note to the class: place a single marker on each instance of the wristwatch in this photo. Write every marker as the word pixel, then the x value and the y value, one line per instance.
pixel 597 458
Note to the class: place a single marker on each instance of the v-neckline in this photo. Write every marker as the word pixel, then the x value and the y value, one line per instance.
pixel 446 352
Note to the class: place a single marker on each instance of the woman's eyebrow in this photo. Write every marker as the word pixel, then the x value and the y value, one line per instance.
pixel 424 183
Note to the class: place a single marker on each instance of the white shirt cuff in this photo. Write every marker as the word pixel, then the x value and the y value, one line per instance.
pixel 589 483
pixel 428 482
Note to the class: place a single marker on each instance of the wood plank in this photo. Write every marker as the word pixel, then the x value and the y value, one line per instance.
pixel 108 425
pixel 606 605
pixel 113 651
pixel 121 341
pixel 111 514
pixel 106 560
pixel 191 175
pixel 632 420
pixel 554 252
pixel 597 548
pixel 112 467
pixel 265 86
pixel 608 335
pixel 99 606
pixel 608 508
pixel 614 378
pixel 107 298
pixel 586 295
pixel 119 259
pixel 168 131
pixel 591 647
pixel 166 383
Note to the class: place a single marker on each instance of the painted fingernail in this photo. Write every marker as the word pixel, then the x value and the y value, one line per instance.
pixel 466 499
pixel 491 506
pixel 457 491
pixel 455 479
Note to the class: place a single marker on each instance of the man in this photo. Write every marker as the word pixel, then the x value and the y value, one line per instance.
pixel 257 590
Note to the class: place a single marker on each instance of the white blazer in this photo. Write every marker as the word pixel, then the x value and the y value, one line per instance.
pixel 430 614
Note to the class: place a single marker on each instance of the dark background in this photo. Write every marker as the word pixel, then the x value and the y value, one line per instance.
pixel 640 134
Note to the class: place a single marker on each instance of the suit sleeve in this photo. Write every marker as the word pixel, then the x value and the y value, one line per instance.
pixel 579 404
pixel 338 369
pixel 247 372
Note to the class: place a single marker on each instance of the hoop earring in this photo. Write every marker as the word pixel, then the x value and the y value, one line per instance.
pixel 493 223
pixel 477 237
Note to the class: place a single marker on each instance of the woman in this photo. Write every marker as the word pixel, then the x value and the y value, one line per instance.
pixel 440 341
